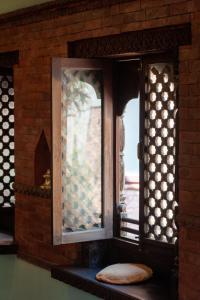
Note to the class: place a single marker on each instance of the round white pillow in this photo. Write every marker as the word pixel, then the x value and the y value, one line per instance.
pixel 124 273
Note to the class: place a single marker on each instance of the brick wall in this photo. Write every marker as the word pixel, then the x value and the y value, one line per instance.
pixel 189 163
pixel 37 42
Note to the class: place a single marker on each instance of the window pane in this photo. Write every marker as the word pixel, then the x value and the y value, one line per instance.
pixel 129 195
pixel 131 163
pixel 81 149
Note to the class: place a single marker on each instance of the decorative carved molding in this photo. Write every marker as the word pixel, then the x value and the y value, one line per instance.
pixel 143 41
pixel 32 190
pixel 54 9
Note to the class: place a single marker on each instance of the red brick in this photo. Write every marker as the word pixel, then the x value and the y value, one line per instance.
pixel 189 125
pixel 184 89
pixel 190 113
pixel 184 67
pixel 189 239
pixel 189 78
pixel 181 8
pixel 192 272
pixel 194 89
pixel 113 20
pixel 196 5
pixel 129 7
pixel 94 24
pixel 189 53
pixel 115 9
pixel 195 18
pixel 192 206
pixel 189 185
pixel 190 258
pixel 194 66
pixel 190 137
pixel 157 12
pixel 188 159
pixel 188 149
pixel 135 16
pixel 156 3
pixel 190 173
pixel 189 102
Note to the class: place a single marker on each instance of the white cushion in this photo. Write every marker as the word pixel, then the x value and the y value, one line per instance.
pixel 124 273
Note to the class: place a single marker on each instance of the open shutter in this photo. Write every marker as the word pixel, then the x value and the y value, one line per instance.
pixel 160 149
pixel 82 150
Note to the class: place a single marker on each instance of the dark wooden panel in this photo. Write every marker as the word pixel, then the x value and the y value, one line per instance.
pixel 159 256
pixel 7 219
pixel 8 249
pixel 126 82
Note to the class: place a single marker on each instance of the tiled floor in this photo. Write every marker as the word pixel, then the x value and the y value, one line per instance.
pixel 5 239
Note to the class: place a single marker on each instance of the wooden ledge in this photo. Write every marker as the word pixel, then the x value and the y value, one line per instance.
pixel 8 249
pixel 32 190
pixel 7 245
pixel 84 278
pixel 5 238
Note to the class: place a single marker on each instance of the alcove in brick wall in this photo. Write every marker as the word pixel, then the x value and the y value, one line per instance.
pixel 42 159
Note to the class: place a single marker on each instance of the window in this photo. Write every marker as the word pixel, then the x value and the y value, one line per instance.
pixel 144 119
pixel 7 145
pixel 7 171
pixel 148 200
pixel 82 150
pixel 129 193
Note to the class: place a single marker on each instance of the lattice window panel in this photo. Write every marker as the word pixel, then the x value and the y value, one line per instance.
pixel 7 171
pixel 160 153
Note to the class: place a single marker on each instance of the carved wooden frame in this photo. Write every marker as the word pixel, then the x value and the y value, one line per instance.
pixel 141 42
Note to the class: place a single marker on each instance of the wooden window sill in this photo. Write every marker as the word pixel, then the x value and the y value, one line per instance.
pixel 8 249
pixel 84 278
pixel 7 245
pixel 5 238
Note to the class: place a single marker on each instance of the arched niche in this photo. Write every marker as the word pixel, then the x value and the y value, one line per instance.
pixel 42 159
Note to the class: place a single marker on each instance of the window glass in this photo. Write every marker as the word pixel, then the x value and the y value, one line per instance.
pixel 131 162
pixel 81 138
pixel 130 169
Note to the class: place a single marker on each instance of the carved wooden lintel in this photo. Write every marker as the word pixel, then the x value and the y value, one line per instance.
pixel 32 190
pixel 142 41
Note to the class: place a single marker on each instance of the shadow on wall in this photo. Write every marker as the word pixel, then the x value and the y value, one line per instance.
pixel 20 280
